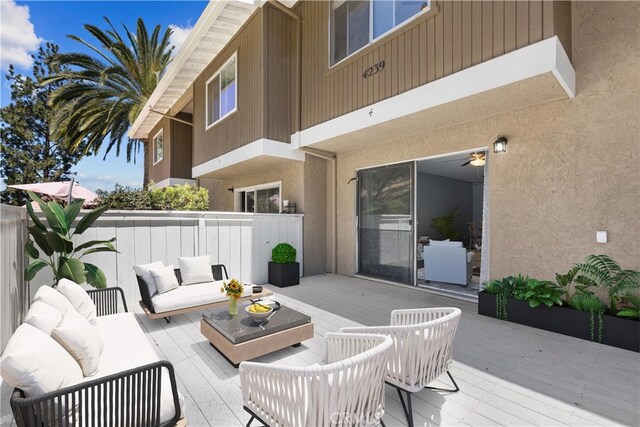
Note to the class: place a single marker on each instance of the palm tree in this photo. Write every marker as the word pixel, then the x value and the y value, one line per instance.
pixel 102 95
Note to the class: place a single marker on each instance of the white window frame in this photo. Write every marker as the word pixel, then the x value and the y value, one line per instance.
pixel 237 202
pixel 155 147
pixel 371 38
pixel 206 92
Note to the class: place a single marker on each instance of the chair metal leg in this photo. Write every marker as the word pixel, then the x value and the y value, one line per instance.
pixel 408 411
pixel 382 423
pixel 445 389
pixel 168 319
pixel 249 422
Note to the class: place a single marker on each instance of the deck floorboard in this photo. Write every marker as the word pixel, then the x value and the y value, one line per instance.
pixel 508 374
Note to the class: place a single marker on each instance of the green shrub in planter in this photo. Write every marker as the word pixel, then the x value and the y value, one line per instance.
pixel 283 253
pixel 283 268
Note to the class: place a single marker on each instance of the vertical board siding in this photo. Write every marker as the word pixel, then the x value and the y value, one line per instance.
pixel 246 124
pixel 14 296
pixel 455 35
pixel 242 242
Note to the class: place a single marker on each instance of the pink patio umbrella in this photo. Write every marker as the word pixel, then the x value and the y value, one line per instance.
pixel 60 190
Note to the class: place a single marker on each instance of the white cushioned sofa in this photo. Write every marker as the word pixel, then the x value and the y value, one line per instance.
pixel 447 262
pixel 191 291
pixel 86 363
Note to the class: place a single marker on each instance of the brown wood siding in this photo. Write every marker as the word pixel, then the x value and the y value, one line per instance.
pixel 453 36
pixel 246 124
pixel 181 147
pixel 162 169
pixel 279 40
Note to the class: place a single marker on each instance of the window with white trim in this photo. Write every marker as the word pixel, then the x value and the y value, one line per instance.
pixel 260 198
pixel 355 24
pixel 158 147
pixel 221 92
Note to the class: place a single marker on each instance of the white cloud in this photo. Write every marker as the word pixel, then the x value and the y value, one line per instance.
pixel 178 36
pixel 17 35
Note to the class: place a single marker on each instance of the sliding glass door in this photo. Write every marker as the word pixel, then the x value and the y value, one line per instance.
pixel 385 226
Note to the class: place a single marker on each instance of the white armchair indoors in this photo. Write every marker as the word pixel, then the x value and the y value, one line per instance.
pixel 422 349
pixel 347 390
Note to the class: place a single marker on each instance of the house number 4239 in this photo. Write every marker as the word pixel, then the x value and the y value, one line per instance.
pixel 374 69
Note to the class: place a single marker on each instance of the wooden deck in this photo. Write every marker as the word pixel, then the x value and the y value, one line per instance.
pixel 508 374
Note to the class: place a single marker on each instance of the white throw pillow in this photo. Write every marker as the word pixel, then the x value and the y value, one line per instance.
pixel 143 269
pixel 43 317
pixel 195 269
pixel 165 279
pixel 79 298
pixel 35 363
pixel 55 299
pixel 81 340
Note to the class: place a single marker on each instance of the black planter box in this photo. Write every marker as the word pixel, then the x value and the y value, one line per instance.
pixel 617 331
pixel 283 275
pixel 620 332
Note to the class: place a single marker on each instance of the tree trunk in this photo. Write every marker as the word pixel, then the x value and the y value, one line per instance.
pixel 145 150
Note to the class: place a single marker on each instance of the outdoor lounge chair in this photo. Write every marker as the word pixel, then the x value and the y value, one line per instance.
pixel 422 349
pixel 347 390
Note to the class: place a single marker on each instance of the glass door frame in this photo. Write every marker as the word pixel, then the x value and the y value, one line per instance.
pixel 484 268
pixel 412 222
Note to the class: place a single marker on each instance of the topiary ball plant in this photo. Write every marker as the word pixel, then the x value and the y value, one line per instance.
pixel 283 253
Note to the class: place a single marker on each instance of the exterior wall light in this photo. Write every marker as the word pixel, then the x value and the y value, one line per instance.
pixel 500 145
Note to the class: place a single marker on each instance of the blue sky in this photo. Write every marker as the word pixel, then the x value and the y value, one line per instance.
pixel 26 24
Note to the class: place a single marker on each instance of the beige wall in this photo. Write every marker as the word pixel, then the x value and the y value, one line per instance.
pixel 571 167
pixel 303 183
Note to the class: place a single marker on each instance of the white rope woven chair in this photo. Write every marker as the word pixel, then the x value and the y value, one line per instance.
pixel 347 390
pixel 422 349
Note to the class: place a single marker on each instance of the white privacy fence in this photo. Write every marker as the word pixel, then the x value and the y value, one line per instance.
pixel 14 294
pixel 241 241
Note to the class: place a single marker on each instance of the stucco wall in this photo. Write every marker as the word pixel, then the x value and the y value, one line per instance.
pixel 303 183
pixel 571 166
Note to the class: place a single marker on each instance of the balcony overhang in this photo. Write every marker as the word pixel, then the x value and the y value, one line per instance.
pixel 532 75
pixel 217 25
pixel 257 155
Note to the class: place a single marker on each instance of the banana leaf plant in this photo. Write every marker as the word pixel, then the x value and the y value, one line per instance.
pixel 55 241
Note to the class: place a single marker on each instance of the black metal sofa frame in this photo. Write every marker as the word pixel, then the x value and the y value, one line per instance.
pixel 128 398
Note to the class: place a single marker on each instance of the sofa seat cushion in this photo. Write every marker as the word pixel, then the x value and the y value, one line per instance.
pixel 126 347
pixel 191 296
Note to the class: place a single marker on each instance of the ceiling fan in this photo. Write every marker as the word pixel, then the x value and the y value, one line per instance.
pixel 475 159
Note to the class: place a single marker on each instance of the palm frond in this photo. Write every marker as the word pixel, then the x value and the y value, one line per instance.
pixel 101 95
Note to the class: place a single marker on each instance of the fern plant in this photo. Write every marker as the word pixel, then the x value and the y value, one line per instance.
pixel 600 271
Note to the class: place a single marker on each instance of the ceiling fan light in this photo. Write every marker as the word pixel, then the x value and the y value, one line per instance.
pixel 477 162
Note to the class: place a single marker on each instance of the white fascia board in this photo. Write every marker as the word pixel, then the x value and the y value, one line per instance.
pixel 174 181
pixel 257 148
pixel 530 61
pixel 210 14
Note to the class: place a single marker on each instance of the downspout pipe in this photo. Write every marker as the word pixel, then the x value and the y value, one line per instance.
pixel 314 152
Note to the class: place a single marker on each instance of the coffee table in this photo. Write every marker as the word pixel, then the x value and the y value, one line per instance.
pixel 239 338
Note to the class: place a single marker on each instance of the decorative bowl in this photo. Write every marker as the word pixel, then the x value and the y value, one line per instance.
pixel 258 317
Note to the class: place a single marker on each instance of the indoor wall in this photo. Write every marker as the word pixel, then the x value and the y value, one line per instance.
pixel 439 195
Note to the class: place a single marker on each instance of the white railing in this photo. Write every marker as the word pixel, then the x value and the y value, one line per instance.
pixel 241 241
pixel 14 294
